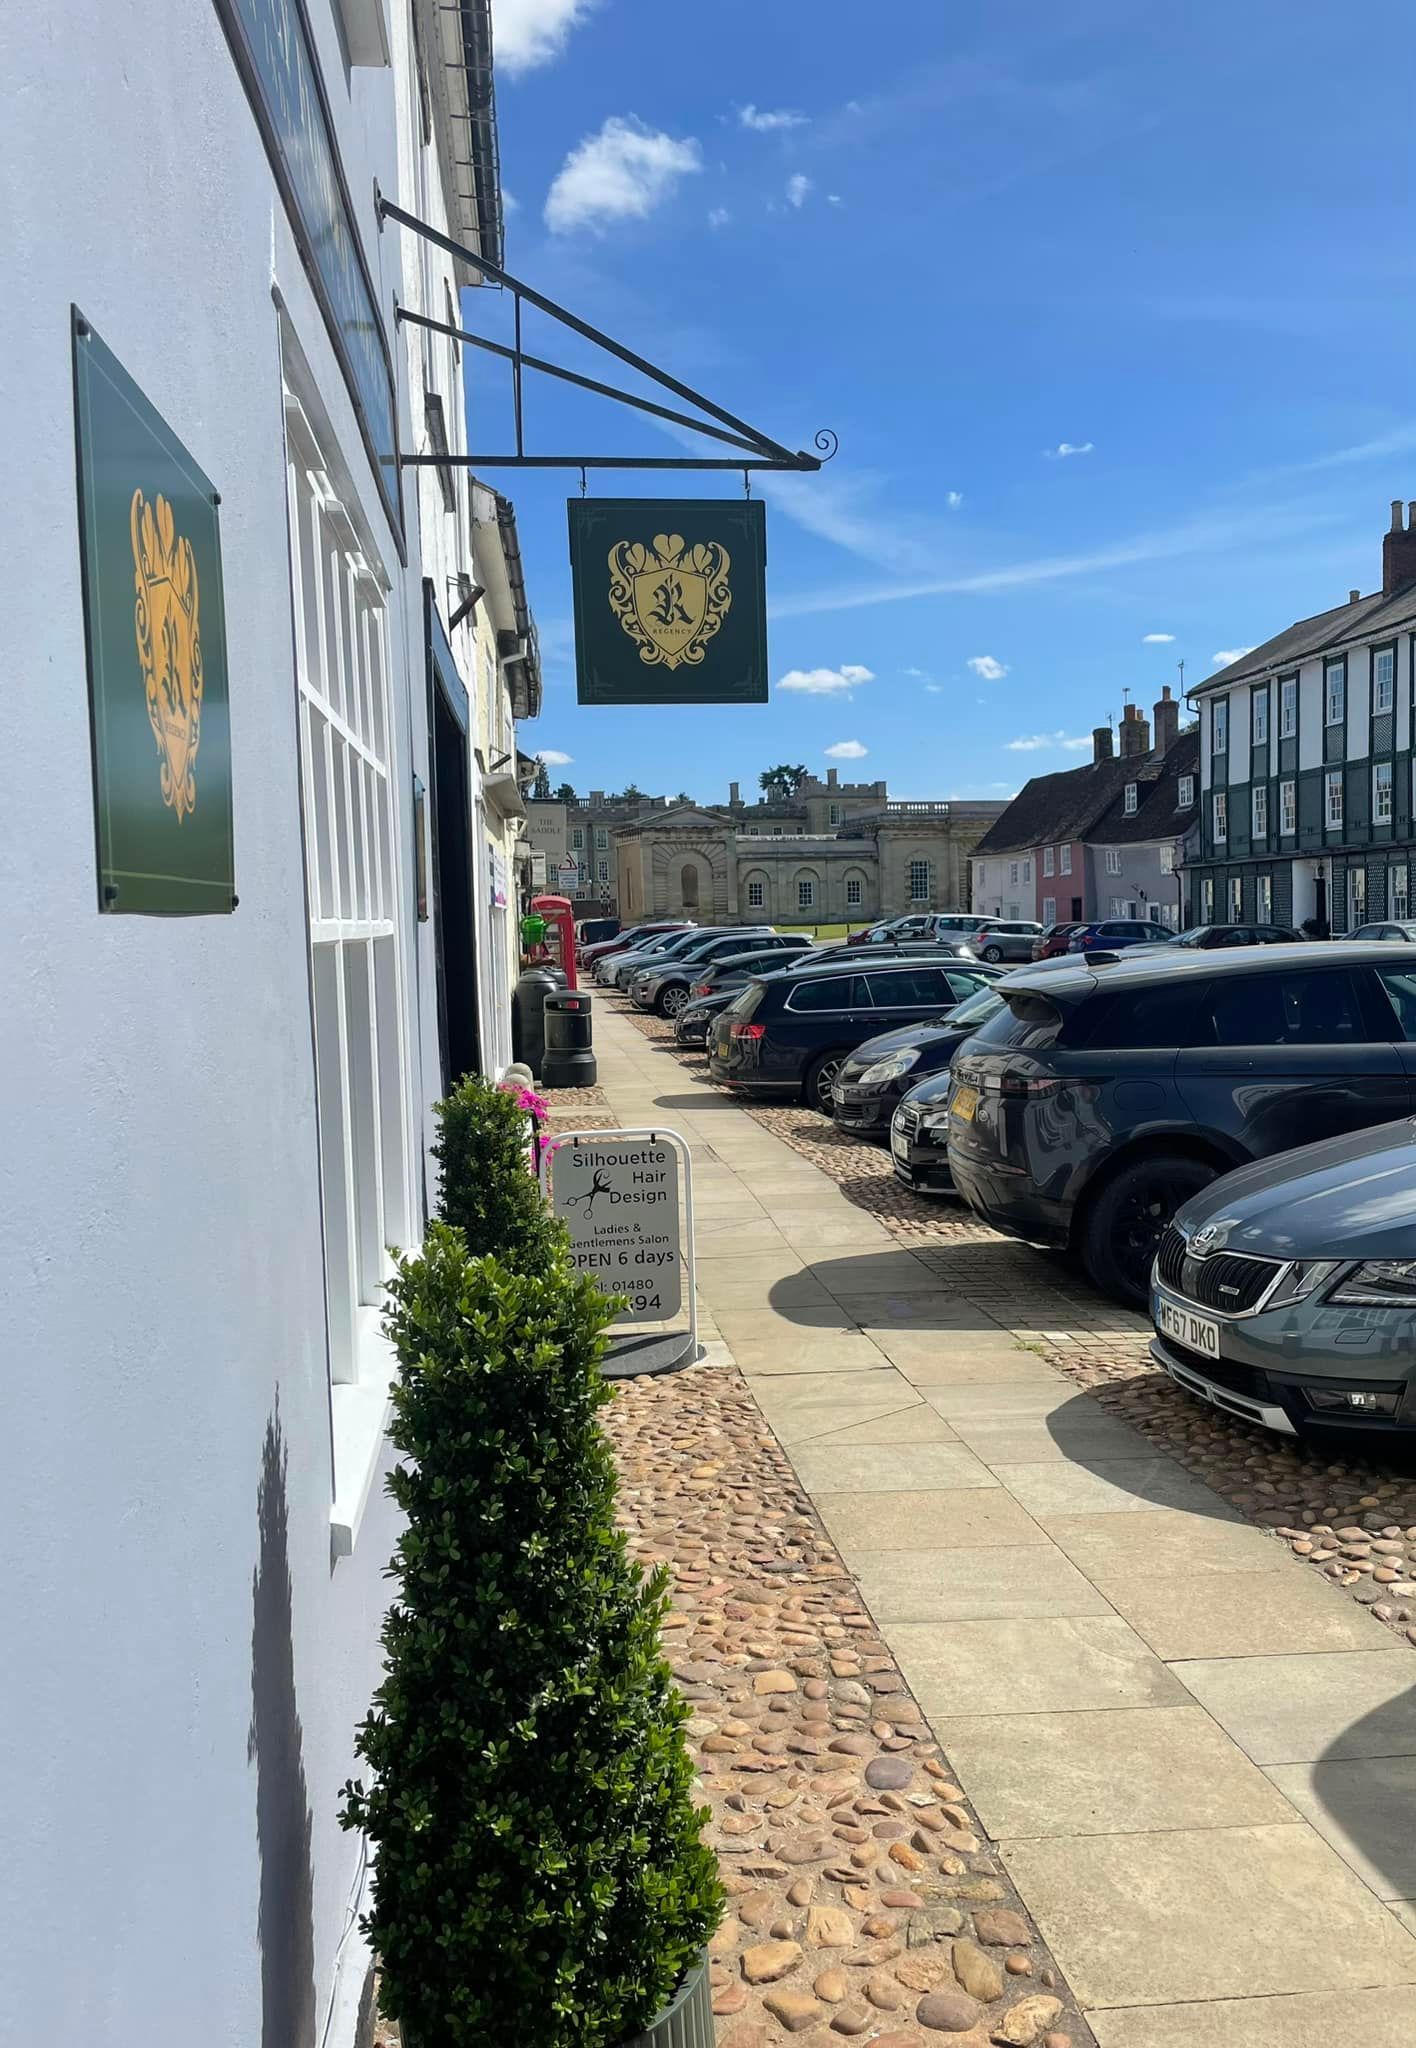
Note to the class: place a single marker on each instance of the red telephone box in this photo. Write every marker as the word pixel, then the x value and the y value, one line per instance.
pixel 560 933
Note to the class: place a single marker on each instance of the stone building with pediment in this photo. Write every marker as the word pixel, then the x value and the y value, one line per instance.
pixel 835 854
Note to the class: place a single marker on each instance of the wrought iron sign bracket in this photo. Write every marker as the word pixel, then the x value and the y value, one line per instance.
pixel 756 450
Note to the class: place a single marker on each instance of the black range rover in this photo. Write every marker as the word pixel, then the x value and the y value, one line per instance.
pixel 787 1034
pixel 1103 1096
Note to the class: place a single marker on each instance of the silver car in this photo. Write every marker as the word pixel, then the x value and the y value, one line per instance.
pixel 1286 1291
pixel 1006 938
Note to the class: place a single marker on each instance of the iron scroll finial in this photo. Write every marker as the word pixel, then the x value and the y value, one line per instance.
pixel 826 441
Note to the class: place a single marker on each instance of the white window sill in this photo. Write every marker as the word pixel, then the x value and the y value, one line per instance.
pixel 359 1412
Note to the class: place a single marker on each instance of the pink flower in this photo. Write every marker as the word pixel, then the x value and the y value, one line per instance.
pixel 535 1105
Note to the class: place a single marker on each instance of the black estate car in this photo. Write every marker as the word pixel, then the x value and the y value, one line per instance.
pixel 872 1079
pixel 1106 1094
pixel 787 1033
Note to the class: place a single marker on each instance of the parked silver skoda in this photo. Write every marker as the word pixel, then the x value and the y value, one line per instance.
pixel 1286 1292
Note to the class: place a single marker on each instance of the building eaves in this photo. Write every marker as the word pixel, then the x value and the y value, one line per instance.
pixel 524 672
pixel 1369 618
pixel 461 37
pixel 1052 809
pixel 1158 813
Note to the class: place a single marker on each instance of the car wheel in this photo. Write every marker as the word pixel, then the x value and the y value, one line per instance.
pixel 993 954
pixel 672 999
pixel 1125 1223
pixel 819 1082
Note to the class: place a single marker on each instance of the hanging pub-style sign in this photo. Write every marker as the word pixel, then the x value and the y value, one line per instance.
pixel 670 600
pixel 156 628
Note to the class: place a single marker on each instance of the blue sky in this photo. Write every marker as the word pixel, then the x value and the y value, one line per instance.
pixel 970 237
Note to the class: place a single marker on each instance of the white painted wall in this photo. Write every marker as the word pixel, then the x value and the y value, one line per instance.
pixel 184 1692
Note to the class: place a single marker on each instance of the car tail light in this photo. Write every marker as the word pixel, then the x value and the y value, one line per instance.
pixel 748 1031
pixel 701 988
pixel 1021 1087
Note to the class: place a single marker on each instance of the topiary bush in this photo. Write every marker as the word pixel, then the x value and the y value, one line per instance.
pixel 485 1185
pixel 540 1877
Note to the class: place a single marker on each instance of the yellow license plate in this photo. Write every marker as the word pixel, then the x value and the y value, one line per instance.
pixel 963 1105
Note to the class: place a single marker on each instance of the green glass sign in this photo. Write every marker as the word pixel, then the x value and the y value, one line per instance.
pixel 156 629
pixel 670 600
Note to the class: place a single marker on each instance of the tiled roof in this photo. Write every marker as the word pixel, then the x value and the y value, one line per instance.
pixel 1158 814
pixel 1368 619
pixel 1052 808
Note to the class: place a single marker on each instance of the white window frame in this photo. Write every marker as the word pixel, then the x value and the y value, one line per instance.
pixel 1356 897
pixel 756 895
pixel 1259 799
pixel 1167 860
pixel 1236 899
pixel 1049 910
pixel 1130 799
pixel 1259 707
pixel 1288 807
pixel 1113 860
pixel 603 870
pixel 1399 892
pixel 833 814
pixel 1012 874
pixel 1335 693
pixel 806 892
pixel 1049 860
pixel 1382 792
pixel 602 838
pixel 1118 908
pixel 1219 726
pixel 1027 871
pixel 1207 900
pixel 1219 815
pixel 352 786
pixel 855 892
pixel 1064 860
pixel 577 839
pixel 1185 792
pixel 913 872
pixel 1383 686
pixel 1333 811
pixel 1288 707
pixel 1263 899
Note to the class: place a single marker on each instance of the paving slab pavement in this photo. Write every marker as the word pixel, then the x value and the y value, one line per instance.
pixel 1198 1760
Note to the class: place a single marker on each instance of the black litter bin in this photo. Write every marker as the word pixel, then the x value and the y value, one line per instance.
pixel 528 1031
pixel 568 1061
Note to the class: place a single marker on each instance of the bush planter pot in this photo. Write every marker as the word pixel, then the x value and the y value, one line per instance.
pixel 687 2020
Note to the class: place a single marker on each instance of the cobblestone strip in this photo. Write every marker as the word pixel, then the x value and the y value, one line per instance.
pixel 864 1903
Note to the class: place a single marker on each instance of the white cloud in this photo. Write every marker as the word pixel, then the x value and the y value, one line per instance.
pixel 953 499
pixel 555 759
pixel 1228 654
pixel 718 216
pixel 526 33
pixel 834 199
pixel 765 122
pixel 1039 742
pixel 510 203
pixel 622 173
pixel 916 672
pixel 1156 639
pixel 987 669
pixel 934 689
pixel 798 185
pixel 826 682
pixel 847 750
pixel 1066 448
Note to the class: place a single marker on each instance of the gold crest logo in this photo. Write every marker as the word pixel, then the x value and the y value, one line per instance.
pixel 165 618
pixel 670 601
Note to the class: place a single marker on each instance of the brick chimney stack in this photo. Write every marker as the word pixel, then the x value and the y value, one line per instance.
pixel 1103 744
pixel 1167 722
pixel 832 777
pixel 1135 732
pixel 1399 550
pixel 734 794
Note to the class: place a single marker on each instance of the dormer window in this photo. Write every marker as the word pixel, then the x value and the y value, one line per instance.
pixel 1130 799
pixel 1185 794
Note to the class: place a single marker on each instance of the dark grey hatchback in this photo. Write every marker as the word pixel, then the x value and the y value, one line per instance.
pixel 1106 1095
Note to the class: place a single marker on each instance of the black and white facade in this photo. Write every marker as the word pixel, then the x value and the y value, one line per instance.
pixel 1307 802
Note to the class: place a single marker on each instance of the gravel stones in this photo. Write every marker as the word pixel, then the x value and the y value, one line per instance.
pixel 977 1972
pixel 773 1681
pixel 765 1961
pixel 796 2010
pixel 1023 2023
pixel 1001 1928
pixel 948 2012
pixel 829 1927
pixel 889 1773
